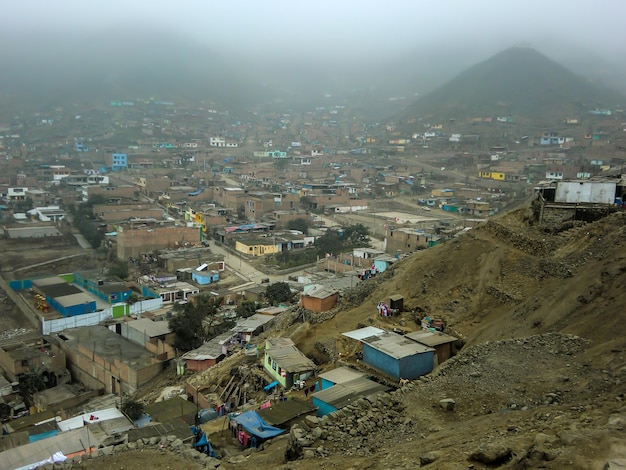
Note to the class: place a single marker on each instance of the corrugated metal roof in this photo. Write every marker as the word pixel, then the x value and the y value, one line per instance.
pixel 290 358
pixel 319 292
pixel 396 346
pixel 341 375
pixel 430 338
pixel 363 333
pixel 343 394
pixel 212 349
pixel 67 442
pixel 251 323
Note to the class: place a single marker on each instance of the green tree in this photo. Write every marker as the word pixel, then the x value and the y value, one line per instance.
pixel 356 235
pixel 247 308
pixel 278 292
pixel 299 224
pixel 196 322
pixel 330 242
pixel 133 409
pixel 119 269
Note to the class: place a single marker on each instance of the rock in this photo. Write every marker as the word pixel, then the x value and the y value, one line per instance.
pixel 429 457
pixel 615 464
pixel 541 439
pixel 447 404
pixel 312 421
pixel 153 441
pixel 237 459
pixel 309 454
pixel 177 444
pixel 492 454
pixel 212 463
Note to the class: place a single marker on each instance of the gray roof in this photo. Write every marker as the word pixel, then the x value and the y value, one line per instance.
pixel 343 394
pixel 108 344
pixel 150 328
pixel 67 442
pixel 212 349
pixel 74 299
pixel 252 323
pixel 341 375
pixel 49 281
pixel 430 338
pixel 396 346
pixel 287 356
pixel 319 292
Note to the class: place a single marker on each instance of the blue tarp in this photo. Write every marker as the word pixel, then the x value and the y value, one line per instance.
pixel 254 425
pixel 268 388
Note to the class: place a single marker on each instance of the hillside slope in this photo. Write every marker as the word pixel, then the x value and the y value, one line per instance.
pixel 516 82
pixel 538 384
pixel 541 376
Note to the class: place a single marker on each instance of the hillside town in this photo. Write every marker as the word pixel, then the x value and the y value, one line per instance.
pixel 165 267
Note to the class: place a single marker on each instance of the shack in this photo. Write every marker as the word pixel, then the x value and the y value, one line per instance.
pixel 397 356
pixel 441 342
pixel 342 394
pixel 285 363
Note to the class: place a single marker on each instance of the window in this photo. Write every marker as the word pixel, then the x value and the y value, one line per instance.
pixel 273 364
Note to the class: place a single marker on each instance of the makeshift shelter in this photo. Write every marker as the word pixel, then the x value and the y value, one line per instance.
pixel 342 394
pixel 338 375
pixel 435 339
pixel 397 356
pixel 249 428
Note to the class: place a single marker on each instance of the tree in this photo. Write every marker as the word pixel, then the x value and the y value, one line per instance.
pixel 133 409
pixel 357 235
pixel 299 224
pixel 31 382
pixel 247 308
pixel 330 243
pixel 196 322
pixel 278 292
pixel 119 269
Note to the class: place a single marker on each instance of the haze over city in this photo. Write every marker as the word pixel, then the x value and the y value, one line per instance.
pixel 307 48
pixel 312 234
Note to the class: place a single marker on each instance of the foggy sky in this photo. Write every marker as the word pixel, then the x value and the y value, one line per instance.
pixel 354 30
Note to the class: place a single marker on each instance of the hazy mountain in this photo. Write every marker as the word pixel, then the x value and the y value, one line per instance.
pixel 122 64
pixel 518 81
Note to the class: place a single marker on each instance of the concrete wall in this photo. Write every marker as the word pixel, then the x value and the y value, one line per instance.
pixel 134 242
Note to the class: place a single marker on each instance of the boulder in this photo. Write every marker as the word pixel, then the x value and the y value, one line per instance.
pixel 429 457
pixel 615 464
pixel 492 454
pixel 447 404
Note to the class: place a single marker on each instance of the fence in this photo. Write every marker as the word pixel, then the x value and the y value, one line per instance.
pixel 90 319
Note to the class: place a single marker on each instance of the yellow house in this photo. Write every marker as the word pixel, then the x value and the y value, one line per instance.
pixel 256 246
pixel 492 175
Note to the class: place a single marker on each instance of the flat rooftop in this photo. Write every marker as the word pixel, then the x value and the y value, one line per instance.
pixel 105 343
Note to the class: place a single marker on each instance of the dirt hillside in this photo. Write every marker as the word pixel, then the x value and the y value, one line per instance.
pixel 539 382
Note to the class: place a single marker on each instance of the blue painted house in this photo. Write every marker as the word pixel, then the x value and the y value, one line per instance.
pixel 382 263
pixel 205 277
pixel 397 356
pixel 119 162
pixel 336 376
pixel 342 394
